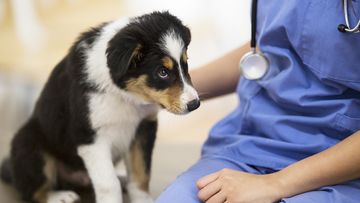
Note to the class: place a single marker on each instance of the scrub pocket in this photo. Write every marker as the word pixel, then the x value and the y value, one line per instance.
pixel 347 124
pixel 329 53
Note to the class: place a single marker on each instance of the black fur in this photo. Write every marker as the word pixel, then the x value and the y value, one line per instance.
pixel 145 32
pixel 5 171
pixel 27 161
pixel 146 135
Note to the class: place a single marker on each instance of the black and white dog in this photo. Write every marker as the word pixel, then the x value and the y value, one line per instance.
pixel 100 106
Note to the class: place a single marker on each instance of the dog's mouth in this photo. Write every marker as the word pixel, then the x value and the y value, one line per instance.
pixel 172 105
pixel 176 110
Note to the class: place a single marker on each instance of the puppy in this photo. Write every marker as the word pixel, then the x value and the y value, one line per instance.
pixel 100 106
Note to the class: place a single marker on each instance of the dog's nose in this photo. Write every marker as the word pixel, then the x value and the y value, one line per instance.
pixel 192 105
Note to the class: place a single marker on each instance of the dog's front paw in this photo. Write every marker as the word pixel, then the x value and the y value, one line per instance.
pixel 137 195
pixel 143 199
pixel 62 197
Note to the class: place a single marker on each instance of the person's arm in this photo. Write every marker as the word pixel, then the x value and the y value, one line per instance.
pixel 219 77
pixel 337 164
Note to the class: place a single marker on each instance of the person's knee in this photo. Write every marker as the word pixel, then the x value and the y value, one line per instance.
pixel 183 189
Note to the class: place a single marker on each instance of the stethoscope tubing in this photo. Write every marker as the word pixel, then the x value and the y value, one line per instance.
pixel 253 25
pixel 356 29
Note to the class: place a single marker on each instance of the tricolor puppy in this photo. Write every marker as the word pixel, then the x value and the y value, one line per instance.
pixel 100 106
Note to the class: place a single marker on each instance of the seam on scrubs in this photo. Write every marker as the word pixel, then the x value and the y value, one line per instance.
pixel 245 128
pixel 303 48
pixel 254 169
pixel 232 153
pixel 327 76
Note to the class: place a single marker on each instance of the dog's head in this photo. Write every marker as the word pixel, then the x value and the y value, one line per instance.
pixel 148 57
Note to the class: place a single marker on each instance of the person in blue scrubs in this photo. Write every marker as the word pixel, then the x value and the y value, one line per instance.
pixel 294 136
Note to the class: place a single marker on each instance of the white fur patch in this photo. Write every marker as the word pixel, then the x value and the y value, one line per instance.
pixel 137 195
pixel 116 119
pixel 98 162
pixel 62 197
pixel 189 94
pixel 172 44
pixel 97 70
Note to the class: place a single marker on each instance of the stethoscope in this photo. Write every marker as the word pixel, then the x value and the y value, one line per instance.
pixel 253 65
pixel 347 27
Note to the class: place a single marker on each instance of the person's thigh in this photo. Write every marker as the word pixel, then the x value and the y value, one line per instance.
pixel 344 193
pixel 184 189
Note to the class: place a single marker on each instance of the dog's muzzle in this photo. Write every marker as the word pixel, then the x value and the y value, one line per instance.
pixel 192 105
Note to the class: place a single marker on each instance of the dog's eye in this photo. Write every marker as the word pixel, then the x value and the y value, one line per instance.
pixel 162 73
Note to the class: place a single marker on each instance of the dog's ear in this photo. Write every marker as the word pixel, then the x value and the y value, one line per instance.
pixel 121 52
pixel 187 36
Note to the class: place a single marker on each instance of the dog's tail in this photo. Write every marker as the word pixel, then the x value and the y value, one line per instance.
pixel 5 171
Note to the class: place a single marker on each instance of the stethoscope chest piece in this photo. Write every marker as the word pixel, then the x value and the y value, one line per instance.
pixel 253 65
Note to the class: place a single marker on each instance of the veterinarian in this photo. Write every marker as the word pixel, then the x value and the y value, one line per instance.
pixel 294 136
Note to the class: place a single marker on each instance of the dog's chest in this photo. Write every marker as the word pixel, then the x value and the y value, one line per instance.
pixel 116 119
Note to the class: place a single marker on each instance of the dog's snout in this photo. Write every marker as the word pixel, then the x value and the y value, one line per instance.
pixel 192 105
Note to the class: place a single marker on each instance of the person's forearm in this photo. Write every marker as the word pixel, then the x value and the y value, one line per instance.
pixel 335 165
pixel 220 76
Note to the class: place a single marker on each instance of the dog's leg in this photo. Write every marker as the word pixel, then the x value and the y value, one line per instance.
pixel 33 170
pixel 98 162
pixel 138 162
pixel 45 194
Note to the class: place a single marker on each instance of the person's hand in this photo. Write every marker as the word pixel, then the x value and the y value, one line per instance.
pixel 232 186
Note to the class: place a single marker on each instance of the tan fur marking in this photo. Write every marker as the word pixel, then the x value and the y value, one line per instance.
pixel 168 63
pixel 136 52
pixel 49 171
pixel 152 117
pixel 169 98
pixel 138 167
pixel 41 195
pixel 184 56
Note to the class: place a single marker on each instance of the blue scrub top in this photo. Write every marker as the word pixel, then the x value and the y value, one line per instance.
pixel 310 98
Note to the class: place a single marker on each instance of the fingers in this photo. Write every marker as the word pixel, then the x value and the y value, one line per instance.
pixel 209 190
pixel 219 197
pixel 202 182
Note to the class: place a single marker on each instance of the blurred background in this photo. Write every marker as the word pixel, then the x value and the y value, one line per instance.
pixel 36 34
